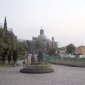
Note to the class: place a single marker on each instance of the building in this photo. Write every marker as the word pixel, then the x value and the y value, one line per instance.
pixel 80 50
pixel 42 42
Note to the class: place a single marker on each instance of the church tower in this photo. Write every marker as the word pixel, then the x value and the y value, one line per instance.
pixel 41 31
pixel 5 24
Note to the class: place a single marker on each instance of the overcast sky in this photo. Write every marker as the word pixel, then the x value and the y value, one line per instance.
pixel 63 19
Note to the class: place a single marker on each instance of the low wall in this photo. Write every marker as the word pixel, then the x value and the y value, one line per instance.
pixel 68 63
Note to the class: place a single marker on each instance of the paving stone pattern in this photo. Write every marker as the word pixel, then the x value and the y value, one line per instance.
pixel 63 75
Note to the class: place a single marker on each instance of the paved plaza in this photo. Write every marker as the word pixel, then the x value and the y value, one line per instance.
pixel 63 75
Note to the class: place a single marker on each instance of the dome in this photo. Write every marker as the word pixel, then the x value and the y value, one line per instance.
pixel 42 37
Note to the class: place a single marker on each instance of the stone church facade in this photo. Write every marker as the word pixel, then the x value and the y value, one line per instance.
pixel 42 42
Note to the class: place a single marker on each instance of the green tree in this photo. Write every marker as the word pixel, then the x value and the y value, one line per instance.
pixel 70 49
pixel 9 56
pixel 15 55
pixel 22 49
pixel 51 51
pixel 8 40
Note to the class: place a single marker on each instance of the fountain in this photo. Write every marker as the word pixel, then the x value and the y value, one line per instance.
pixel 40 65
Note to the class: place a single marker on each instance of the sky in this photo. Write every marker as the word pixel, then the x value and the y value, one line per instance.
pixel 62 19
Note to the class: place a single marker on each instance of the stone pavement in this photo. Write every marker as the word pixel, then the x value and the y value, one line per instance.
pixel 63 75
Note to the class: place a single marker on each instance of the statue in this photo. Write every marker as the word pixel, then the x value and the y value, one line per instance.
pixel 33 60
pixel 40 56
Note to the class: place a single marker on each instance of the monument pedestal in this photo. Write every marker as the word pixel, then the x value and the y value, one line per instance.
pixel 37 69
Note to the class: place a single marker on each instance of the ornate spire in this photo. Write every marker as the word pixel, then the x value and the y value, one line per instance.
pixel 5 23
pixel 41 31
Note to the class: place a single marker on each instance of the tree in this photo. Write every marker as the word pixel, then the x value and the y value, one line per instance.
pixel 9 56
pixel 15 56
pixel 70 48
pixel 3 54
pixel 22 48
pixel 8 40
pixel 51 51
